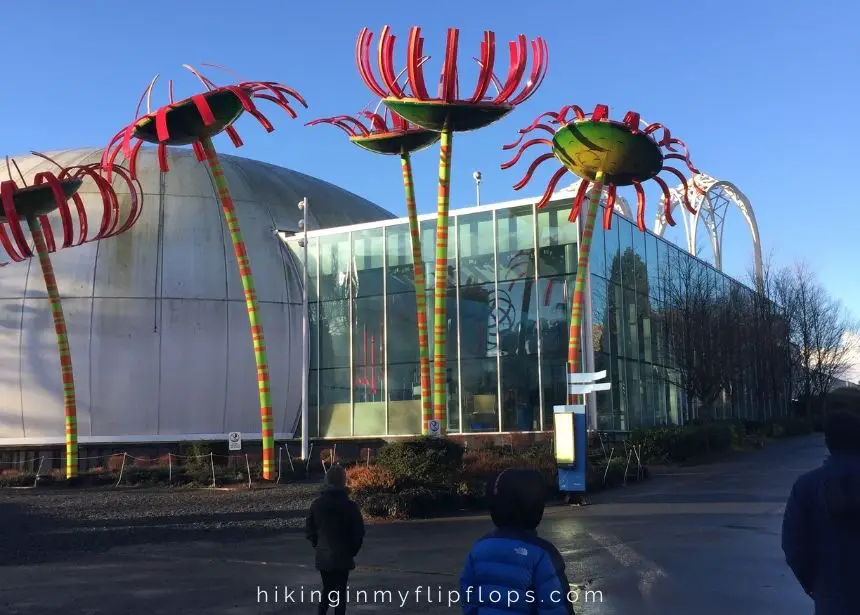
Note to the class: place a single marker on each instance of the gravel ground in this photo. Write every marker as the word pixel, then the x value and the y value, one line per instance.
pixel 38 525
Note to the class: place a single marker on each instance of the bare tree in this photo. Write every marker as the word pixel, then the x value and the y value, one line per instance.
pixel 819 328
pixel 695 315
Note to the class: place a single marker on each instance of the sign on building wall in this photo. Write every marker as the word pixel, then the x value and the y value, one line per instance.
pixel 235 441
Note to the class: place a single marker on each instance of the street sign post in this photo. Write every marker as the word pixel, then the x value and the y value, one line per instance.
pixel 235 441
pixel 570 432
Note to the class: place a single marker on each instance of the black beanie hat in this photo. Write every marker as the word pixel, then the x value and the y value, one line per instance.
pixel 518 499
pixel 842 431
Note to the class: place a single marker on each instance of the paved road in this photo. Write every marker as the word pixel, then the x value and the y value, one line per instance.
pixel 702 541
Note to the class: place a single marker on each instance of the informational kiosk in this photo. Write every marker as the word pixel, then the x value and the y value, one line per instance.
pixel 570 432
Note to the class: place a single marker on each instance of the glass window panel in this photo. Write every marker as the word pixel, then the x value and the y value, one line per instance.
pixel 368 259
pixel 557 243
pixel 554 383
pixel 631 326
pixel 634 395
pixel 619 392
pixel 334 334
pixel 334 267
pixel 640 270
pixel 404 398
pixel 476 248
pixel 652 263
pixel 643 310
pixel 398 260
pixel 335 410
pixel 515 234
pixel 613 266
pixel 368 349
pixel 517 319
pixel 625 249
pixel 599 314
pixel 479 386
pixel 606 417
pixel 554 296
pixel 313 404
pixel 520 393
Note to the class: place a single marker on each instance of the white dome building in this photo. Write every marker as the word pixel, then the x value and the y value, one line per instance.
pixel 159 334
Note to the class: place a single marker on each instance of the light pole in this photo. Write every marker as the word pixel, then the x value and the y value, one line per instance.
pixel 477 177
pixel 303 226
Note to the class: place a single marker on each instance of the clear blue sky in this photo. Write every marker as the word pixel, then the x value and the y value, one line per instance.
pixel 765 93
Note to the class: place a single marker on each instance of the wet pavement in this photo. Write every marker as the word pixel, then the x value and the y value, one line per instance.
pixel 700 541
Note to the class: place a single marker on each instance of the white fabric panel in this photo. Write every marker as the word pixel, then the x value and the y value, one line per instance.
pixel 161 344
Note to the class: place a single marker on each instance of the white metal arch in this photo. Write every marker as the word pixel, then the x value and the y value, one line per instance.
pixel 711 208
pixel 622 207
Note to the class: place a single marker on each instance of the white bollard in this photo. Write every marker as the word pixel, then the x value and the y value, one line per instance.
pixel 122 469
pixel 212 462
pixel 248 467
pixel 38 471
pixel 280 461
pixel 169 468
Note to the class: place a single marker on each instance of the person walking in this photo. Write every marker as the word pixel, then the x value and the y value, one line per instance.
pixel 335 528
pixel 512 569
pixel 821 523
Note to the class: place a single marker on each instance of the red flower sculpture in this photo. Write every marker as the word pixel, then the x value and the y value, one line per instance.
pixel 447 110
pixel 33 203
pixel 607 153
pixel 50 192
pixel 448 113
pixel 627 153
pixel 401 138
pixel 380 138
pixel 197 117
pixel 195 121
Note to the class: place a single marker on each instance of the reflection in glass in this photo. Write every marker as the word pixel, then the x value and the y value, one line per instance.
pixel 520 393
pixel 554 295
pixel 398 260
pixel 652 263
pixel 335 416
pixel 476 255
pixel 428 253
pixel 335 267
pixel 597 258
pixel 554 384
pixel 479 386
pixel 598 315
pixel 557 243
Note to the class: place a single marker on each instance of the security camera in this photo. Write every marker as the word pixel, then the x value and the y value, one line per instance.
pixel 477 176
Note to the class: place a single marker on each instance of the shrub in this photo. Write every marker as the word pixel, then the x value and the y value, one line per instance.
pixel 370 478
pixel 17 478
pixel 422 503
pixel 431 462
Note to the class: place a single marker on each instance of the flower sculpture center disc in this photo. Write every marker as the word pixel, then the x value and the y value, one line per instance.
pixel 625 157
pixel 397 142
pixel 438 115
pixel 185 124
pixel 40 200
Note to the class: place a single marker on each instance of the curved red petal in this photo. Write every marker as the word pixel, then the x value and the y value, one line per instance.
pixel 525 146
pixel 518 51
pixel 667 201
pixel 550 188
pixel 640 206
pixel 609 208
pixel 414 69
pixel 579 200
pixel 534 165
pixel 685 197
pixel 449 72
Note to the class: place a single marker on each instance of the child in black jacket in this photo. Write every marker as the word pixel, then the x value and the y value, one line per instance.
pixel 335 527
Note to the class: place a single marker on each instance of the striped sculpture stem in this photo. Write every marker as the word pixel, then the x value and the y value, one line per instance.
pixel 420 293
pixel 69 405
pixel 244 265
pixel 440 294
pixel 574 345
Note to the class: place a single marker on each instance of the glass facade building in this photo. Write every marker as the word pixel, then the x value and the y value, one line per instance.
pixel 510 283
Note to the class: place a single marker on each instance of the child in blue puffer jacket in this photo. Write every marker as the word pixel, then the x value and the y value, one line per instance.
pixel 513 570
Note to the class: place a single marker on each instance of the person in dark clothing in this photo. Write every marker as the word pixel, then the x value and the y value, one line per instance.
pixel 335 527
pixel 512 569
pixel 821 525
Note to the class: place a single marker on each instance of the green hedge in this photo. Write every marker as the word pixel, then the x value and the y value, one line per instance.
pixel 422 462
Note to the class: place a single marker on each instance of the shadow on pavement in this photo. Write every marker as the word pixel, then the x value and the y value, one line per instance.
pixel 28 537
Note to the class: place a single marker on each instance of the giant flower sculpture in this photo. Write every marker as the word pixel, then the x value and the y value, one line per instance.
pixel 400 138
pixel 604 153
pixel 195 121
pixel 33 202
pixel 448 113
